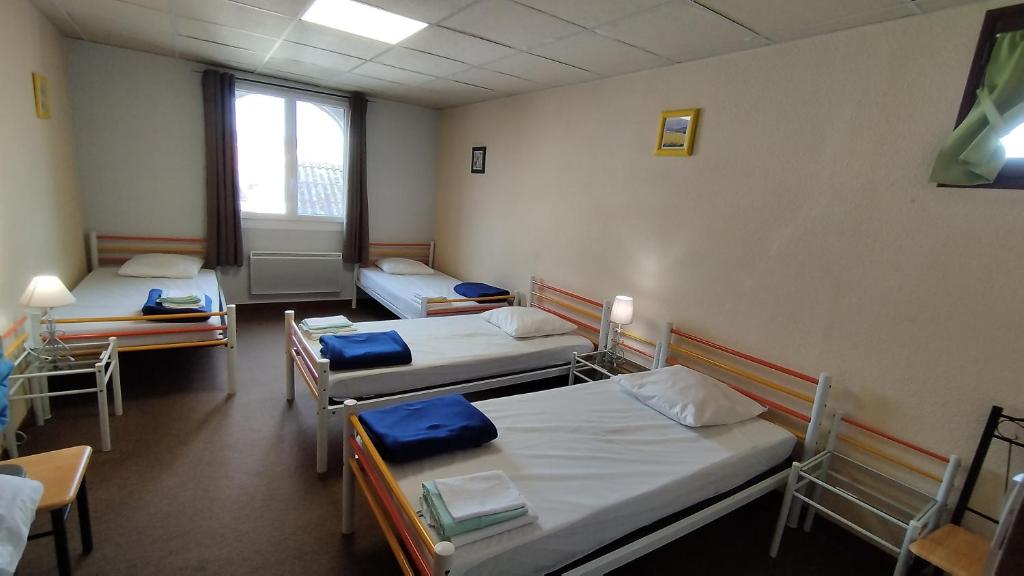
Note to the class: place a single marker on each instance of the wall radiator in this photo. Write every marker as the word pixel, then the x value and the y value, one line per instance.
pixel 295 272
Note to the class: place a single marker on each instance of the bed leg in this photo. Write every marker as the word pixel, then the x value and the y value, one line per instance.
pixel 833 439
pixel 355 285
pixel 787 500
pixel 813 430
pixel 104 410
pixel 444 553
pixel 321 441
pixel 289 366
pixel 348 498
pixel 232 349
pixel 323 414
pixel 115 365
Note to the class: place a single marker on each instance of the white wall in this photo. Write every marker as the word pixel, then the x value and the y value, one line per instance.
pixel 803 229
pixel 40 229
pixel 139 133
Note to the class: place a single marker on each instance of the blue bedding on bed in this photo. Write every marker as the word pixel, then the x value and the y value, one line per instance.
pixel 367 350
pixel 420 429
pixel 154 308
pixel 479 290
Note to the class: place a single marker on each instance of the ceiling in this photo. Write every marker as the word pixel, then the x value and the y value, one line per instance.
pixel 473 50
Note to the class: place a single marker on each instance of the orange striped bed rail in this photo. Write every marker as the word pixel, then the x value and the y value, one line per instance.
pixel 795 399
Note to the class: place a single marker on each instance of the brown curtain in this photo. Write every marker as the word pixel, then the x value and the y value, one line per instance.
pixel 357 225
pixel 223 213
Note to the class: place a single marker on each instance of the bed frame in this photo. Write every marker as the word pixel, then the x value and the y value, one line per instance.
pixel 315 371
pixel 418 553
pixel 114 249
pixel 422 252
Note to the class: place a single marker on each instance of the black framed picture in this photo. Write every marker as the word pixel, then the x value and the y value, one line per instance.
pixel 478 161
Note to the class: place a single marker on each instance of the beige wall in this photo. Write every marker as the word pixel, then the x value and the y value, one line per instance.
pixel 40 231
pixel 803 230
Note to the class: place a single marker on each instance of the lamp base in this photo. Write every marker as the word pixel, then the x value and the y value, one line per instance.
pixel 53 348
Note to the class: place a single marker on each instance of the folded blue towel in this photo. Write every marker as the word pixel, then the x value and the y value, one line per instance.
pixel 154 308
pixel 365 350
pixel 421 429
pixel 5 370
pixel 480 290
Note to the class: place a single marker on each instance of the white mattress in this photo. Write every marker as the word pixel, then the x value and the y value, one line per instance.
pixel 594 464
pixel 404 292
pixel 450 349
pixel 104 293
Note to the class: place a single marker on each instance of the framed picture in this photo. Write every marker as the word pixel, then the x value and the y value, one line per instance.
pixel 676 132
pixel 478 162
pixel 42 91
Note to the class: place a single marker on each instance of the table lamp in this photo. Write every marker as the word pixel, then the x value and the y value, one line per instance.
pixel 47 293
pixel 622 313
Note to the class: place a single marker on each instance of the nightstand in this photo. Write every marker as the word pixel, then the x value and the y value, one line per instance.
pixel 30 382
pixel 854 486
pixel 601 365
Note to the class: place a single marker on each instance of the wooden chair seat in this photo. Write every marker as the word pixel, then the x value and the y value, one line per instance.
pixel 954 550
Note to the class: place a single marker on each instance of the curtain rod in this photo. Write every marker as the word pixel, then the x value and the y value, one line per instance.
pixel 277 85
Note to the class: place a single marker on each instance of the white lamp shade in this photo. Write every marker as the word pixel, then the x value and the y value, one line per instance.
pixel 46 292
pixel 622 310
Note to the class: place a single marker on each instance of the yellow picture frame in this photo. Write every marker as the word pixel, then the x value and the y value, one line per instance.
pixel 677 132
pixel 41 87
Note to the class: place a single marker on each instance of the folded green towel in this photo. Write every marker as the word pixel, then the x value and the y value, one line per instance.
pixel 448 527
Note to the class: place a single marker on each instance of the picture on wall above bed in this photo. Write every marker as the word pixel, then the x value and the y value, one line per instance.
pixel 478 161
pixel 676 132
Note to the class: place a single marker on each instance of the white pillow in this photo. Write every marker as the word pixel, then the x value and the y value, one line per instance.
pixel 161 266
pixel 689 397
pixel 403 266
pixel 523 322
pixel 18 500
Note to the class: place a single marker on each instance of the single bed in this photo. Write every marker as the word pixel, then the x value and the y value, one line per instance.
pixel 416 295
pixel 109 305
pixel 597 467
pixel 460 353
pixel 607 489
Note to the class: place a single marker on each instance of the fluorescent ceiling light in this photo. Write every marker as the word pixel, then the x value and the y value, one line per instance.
pixel 361 19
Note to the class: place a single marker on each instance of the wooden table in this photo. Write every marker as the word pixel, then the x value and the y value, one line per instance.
pixel 954 550
pixel 62 474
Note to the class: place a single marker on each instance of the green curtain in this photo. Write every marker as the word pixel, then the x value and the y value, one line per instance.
pixel 973 153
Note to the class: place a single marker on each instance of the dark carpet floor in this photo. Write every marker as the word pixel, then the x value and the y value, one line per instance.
pixel 200 483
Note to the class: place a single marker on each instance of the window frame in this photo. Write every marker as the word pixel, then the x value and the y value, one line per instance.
pixel 998 20
pixel 291 150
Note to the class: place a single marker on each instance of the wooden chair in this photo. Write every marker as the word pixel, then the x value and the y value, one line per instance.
pixel 961 552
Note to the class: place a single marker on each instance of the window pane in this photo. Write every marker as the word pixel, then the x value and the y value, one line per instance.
pixel 259 123
pixel 321 158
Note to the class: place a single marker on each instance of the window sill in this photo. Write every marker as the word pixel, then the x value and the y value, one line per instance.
pixel 292 223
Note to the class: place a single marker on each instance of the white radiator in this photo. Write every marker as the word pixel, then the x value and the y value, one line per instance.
pixel 294 272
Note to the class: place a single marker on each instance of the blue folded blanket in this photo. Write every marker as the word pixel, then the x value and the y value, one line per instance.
pixel 154 308
pixel 479 290
pixel 365 350
pixel 421 429
pixel 5 370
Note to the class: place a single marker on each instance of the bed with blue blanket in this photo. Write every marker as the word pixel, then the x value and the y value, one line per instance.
pixel 404 294
pixel 104 293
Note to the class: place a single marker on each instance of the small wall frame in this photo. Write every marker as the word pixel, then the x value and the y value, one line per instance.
pixel 677 132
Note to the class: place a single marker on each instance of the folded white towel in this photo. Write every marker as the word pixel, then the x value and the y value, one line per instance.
pixel 180 295
pixel 328 331
pixel 479 494
pixel 326 322
pixel 492 530
pixel 18 500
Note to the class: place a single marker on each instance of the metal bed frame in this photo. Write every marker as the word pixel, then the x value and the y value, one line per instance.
pixel 315 371
pixel 423 252
pixel 418 553
pixel 114 249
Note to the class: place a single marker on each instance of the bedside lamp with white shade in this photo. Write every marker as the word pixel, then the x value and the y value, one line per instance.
pixel 622 313
pixel 47 293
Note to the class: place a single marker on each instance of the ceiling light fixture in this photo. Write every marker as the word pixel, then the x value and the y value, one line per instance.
pixel 363 20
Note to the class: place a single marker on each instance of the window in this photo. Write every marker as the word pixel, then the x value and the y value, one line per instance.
pixel 291 154
pixel 1008 19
